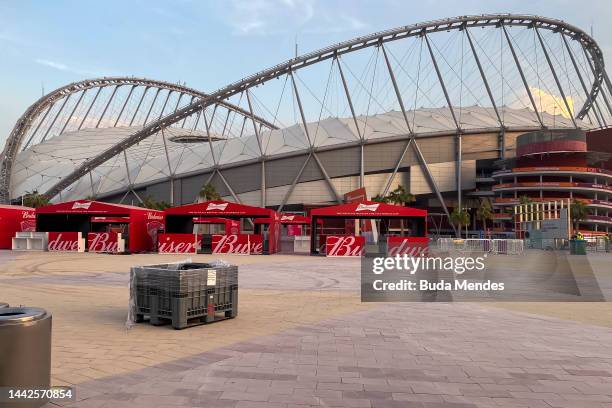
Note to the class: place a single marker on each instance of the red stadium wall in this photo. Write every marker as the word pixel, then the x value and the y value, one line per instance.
pixel 601 141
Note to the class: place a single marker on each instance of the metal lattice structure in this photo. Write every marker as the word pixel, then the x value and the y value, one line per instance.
pixel 470 75
pixel 58 115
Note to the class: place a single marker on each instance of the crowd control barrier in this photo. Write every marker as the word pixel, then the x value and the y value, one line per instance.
pixel 495 246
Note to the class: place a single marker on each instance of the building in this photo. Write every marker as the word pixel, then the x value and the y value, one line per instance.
pixel 377 111
pixel 558 165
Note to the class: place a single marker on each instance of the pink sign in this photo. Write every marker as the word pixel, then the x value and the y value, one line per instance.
pixel 294 229
pixel 28 223
pixel 178 243
pixel 344 245
pixel 411 246
pixel 103 242
pixel 63 241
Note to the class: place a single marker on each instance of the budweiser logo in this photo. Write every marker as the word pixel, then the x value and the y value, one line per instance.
pixel 154 216
pixel 84 206
pixel 344 246
pixel 179 245
pixel 28 215
pixel 236 244
pixel 28 225
pixel 213 206
pixel 367 207
pixel 412 249
pixel 59 243
pixel 287 217
pixel 103 242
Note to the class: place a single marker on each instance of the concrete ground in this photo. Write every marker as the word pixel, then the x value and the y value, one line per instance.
pixel 303 338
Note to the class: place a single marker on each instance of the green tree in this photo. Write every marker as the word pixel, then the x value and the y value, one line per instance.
pixel 149 202
pixel 484 213
pixel 460 217
pixel 400 196
pixel 579 213
pixel 208 192
pixel 525 199
pixel 379 198
pixel 34 199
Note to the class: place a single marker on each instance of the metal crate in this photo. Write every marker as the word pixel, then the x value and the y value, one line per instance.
pixel 185 293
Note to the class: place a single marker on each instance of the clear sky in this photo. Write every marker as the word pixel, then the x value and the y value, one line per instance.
pixel 207 44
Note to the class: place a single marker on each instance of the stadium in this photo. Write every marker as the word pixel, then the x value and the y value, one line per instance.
pixel 458 111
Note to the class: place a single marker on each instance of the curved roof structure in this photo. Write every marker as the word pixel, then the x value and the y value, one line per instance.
pixel 148 163
pixel 516 72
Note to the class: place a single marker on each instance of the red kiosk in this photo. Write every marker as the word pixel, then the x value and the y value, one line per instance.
pixel 180 237
pixel 14 219
pixel 415 222
pixel 99 227
pixel 295 232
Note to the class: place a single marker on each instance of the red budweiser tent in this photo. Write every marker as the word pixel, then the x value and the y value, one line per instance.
pixel 13 219
pixel 349 245
pixel 179 237
pixel 99 227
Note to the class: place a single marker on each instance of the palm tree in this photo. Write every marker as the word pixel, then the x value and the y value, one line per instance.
pixel 379 198
pixel 34 199
pixel 149 202
pixel 400 196
pixel 484 213
pixel 208 192
pixel 579 213
pixel 460 217
pixel 525 199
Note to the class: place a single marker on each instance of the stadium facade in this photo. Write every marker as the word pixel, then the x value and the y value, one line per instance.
pixel 437 107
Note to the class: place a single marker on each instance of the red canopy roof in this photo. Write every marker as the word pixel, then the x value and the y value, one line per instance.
pixel 368 209
pixel 90 207
pixel 220 208
pixel 287 219
pixel 15 207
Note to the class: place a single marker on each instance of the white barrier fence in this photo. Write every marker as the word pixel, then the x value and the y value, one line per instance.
pixel 496 246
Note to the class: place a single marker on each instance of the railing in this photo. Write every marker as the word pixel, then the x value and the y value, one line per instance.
pixel 560 184
pixel 561 169
pixel 495 246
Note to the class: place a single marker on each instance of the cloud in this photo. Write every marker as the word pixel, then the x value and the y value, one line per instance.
pixel 63 67
pixel 274 17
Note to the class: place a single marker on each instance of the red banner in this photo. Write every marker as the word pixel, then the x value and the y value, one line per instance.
pixel 178 243
pixel 243 244
pixel 28 221
pixel 63 241
pixel 344 245
pixel 103 242
pixel 293 230
pixel 256 244
pixel 411 246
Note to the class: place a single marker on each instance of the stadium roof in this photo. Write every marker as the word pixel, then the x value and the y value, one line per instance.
pixel 41 165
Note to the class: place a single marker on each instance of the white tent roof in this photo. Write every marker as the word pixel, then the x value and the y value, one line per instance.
pixel 42 165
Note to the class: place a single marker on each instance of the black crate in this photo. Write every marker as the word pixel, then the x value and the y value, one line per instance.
pixel 184 293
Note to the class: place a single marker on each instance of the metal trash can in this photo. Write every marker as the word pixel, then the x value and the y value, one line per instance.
pixel 25 350
pixel 3 305
pixel 577 247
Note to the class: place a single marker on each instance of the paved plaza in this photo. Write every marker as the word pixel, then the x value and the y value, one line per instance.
pixel 303 338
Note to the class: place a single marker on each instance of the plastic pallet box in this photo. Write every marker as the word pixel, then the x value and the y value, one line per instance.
pixel 185 293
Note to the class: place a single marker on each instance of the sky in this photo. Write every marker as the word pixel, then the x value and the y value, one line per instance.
pixel 208 44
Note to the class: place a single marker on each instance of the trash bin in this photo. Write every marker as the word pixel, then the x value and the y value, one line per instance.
pixel 25 350
pixel 184 294
pixel 577 247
